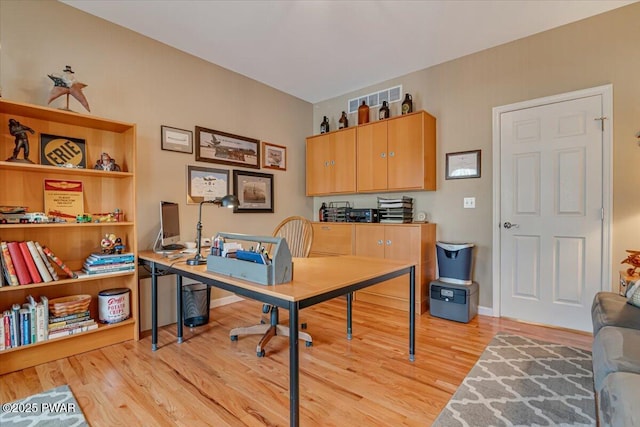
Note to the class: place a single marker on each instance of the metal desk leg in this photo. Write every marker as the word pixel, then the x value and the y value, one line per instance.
pixel 349 301
pixel 412 314
pixel 294 368
pixel 179 307
pixel 154 307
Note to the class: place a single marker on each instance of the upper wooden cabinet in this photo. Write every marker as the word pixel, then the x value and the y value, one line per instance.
pixel 397 154
pixel 331 159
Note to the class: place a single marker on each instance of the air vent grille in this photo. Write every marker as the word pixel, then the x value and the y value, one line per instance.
pixel 391 95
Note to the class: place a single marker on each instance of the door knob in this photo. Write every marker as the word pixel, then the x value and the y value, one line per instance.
pixel 508 225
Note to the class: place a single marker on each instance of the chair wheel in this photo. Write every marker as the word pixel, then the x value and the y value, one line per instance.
pixel 266 308
pixel 260 353
pixel 308 343
pixel 234 337
pixel 303 325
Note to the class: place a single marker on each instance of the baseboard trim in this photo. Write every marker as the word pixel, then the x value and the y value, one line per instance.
pixel 485 311
pixel 218 302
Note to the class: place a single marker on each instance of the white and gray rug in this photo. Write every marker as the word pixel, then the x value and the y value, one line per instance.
pixel 53 408
pixel 524 382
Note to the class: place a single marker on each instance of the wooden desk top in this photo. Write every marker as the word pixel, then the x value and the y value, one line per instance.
pixel 311 276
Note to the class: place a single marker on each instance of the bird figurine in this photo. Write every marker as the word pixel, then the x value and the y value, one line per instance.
pixel 66 84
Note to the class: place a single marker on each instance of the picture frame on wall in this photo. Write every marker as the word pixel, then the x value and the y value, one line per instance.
pixel 254 191
pixel 174 139
pixel 206 184
pixel 274 156
pixel 228 149
pixel 463 164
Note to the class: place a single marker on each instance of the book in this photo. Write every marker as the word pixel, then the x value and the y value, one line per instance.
pixel 6 320
pixel 100 255
pixel 64 198
pixel 45 303
pixel 25 328
pixel 110 270
pixel 54 327
pixel 59 262
pixel 41 326
pixel 69 317
pixel 31 264
pixel 42 269
pixel 109 267
pixel 3 270
pixel 73 331
pixel 91 260
pixel 7 264
pixel 52 270
pixel 31 306
pixel 63 323
pixel 18 262
pixel 2 341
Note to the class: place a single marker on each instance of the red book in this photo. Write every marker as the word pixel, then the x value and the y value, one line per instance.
pixel 59 262
pixel 8 264
pixel 18 263
pixel 31 264
pixel 7 330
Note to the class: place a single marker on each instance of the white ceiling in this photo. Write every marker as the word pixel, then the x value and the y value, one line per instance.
pixel 316 50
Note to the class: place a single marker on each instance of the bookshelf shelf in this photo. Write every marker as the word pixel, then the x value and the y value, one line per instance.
pixel 103 191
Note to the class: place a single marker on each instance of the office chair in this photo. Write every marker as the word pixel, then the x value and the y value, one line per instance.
pixel 298 233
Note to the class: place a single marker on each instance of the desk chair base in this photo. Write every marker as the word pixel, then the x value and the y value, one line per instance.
pixel 268 331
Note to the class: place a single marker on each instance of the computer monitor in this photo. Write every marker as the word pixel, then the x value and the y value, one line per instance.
pixel 169 225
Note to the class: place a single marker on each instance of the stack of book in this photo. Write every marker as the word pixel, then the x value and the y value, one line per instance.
pixel 27 262
pixel 24 324
pixel 99 263
pixel 395 211
pixel 70 324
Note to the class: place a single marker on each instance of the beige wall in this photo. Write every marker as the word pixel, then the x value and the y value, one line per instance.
pixel 135 79
pixel 461 94
pixel 132 78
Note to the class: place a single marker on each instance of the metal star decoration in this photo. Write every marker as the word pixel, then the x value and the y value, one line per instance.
pixel 66 84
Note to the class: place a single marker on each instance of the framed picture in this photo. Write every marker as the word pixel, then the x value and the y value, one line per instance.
pixel 463 164
pixel 274 156
pixel 174 139
pixel 254 190
pixel 62 151
pixel 206 184
pixel 220 147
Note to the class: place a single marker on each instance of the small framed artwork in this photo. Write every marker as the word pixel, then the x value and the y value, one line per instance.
pixel 174 139
pixel 254 190
pixel 62 151
pixel 206 184
pixel 463 164
pixel 274 156
pixel 220 147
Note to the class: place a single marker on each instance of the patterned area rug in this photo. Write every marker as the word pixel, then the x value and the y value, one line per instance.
pixel 54 408
pixel 524 382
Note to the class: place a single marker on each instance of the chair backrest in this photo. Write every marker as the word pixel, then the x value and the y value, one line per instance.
pixel 298 233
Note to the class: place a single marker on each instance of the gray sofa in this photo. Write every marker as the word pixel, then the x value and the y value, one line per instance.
pixel 616 360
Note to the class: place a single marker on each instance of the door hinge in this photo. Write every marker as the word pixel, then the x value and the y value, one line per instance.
pixel 602 119
pixel 602 214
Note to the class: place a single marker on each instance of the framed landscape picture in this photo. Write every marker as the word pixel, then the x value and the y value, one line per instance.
pixel 220 147
pixel 254 190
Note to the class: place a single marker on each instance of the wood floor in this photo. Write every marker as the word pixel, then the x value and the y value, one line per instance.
pixel 210 381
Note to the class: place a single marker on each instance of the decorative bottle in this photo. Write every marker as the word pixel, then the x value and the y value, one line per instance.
pixel 363 113
pixel 383 113
pixel 322 213
pixel 324 126
pixel 407 104
pixel 344 122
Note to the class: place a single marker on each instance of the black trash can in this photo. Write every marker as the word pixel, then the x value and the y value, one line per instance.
pixel 195 304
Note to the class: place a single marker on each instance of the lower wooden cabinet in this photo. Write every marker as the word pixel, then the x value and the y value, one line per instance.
pixel 410 242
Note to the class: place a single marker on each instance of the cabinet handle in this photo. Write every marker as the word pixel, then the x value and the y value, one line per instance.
pixel 392 153
pixel 333 162
pixel 383 155
pixel 388 242
pixel 326 227
pixel 380 242
pixel 326 163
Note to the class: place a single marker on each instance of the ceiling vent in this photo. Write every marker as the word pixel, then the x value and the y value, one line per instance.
pixel 392 94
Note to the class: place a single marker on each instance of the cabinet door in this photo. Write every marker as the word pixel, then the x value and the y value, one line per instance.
pixel 343 161
pixel 372 157
pixel 331 239
pixel 369 241
pixel 405 153
pixel 318 163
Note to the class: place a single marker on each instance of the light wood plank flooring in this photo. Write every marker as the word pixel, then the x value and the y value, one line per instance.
pixel 210 381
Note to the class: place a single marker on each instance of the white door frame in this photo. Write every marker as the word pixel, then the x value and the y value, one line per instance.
pixel 606 92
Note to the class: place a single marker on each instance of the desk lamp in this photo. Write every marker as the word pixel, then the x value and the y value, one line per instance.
pixel 228 201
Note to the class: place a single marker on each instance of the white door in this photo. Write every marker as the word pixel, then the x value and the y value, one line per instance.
pixel 551 211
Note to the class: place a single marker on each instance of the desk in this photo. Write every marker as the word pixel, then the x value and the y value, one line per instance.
pixel 315 280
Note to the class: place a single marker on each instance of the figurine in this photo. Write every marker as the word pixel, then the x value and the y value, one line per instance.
pixel 106 163
pixel 66 84
pixel 111 244
pixel 344 122
pixel 22 141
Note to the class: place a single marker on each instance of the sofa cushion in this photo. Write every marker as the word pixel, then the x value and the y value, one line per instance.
pixel 618 400
pixel 611 309
pixel 615 350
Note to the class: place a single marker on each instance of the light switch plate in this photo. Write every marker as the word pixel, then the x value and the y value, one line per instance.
pixel 469 202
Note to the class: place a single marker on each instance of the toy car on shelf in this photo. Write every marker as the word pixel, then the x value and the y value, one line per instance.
pixel 24 218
